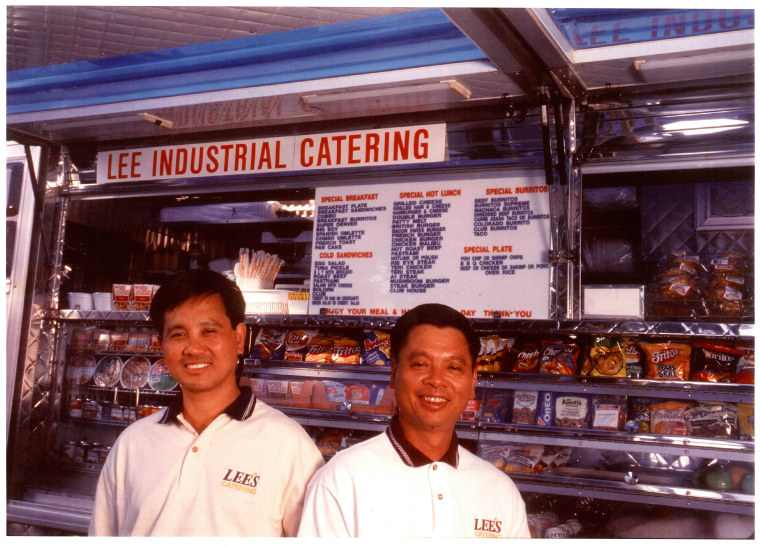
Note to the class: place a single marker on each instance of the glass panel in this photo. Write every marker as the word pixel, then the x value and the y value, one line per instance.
pixel 591 28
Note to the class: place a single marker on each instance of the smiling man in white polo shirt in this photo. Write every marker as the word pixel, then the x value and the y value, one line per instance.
pixel 216 462
pixel 415 480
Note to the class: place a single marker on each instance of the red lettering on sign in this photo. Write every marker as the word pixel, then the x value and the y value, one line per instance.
pixel 304 144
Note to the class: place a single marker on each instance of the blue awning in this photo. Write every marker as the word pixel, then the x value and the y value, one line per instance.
pixel 408 40
pixel 586 28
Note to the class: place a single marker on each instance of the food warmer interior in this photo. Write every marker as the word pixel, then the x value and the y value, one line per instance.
pixel 649 273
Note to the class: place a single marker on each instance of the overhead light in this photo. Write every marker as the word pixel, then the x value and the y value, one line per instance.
pixel 389 97
pixel 696 67
pixel 703 127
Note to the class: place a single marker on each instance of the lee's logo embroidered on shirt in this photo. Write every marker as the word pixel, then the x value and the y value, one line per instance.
pixel 241 481
pixel 487 528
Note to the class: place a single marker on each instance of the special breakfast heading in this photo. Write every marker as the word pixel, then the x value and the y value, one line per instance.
pixel 391 146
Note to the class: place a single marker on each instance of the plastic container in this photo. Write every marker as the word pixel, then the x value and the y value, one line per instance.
pixel 102 301
pixel 80 301
pixel 254 284
pixel 266 302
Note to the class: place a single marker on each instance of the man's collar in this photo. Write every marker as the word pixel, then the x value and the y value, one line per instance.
pixel 413 457
pixel 240 409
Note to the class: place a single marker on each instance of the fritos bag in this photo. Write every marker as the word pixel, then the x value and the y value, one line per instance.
pixel 667 360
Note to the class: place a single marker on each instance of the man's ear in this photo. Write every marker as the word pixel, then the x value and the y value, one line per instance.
pixel 392 382
pixel 240 332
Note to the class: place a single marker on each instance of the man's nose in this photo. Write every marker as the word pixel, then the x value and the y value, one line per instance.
pixel 435 375
pixel 192 345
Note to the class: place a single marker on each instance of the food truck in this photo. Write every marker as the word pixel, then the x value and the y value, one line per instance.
pixel 579 183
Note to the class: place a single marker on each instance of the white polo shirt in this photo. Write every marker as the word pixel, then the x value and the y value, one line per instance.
pixel 384 487
pixel 244 475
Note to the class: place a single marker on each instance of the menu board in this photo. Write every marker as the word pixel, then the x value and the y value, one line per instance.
pixel 478 244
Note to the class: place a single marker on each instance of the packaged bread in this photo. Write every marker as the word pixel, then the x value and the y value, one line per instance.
pixel 669 417
pixel 712 420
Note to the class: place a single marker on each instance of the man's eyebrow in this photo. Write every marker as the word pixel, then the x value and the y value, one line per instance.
pixel 202 322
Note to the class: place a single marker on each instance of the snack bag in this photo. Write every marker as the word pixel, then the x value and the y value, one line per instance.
pixel 527 357
pixel 319 350
pixel 558 358
pixel 638 415
pixel 269 344
pixel 606 358
pixel 296 342
pixel 376 349
pixel 667 360
pixel 746 365
pixel 346 351
pixel 494 353
pixel 714 362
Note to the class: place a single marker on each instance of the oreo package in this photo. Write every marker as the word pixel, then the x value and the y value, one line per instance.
pixel 545 409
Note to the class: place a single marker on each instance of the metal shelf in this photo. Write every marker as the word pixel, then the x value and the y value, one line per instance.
pixel 370 373
pixel 517 326
pixel 692 498
pixel 632 387
pixel 725 449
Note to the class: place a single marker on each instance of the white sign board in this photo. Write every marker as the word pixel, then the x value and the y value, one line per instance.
pixel 478 244
pixel 373 147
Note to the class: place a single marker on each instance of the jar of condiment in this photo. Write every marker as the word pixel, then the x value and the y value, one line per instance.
pixel 75 407
pixel 80 451
pixel 89 409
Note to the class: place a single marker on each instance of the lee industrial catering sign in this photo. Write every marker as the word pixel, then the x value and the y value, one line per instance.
pixel 375 147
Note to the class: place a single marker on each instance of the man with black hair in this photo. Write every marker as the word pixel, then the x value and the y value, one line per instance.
pixel 216 462
pixel 415 480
